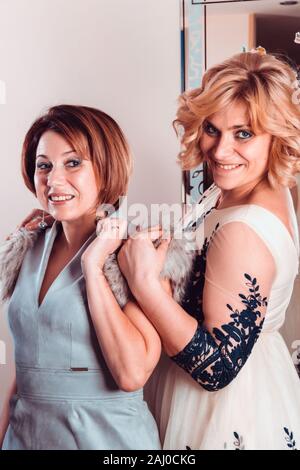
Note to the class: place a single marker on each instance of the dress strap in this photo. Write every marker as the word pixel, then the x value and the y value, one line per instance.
pixel 195 213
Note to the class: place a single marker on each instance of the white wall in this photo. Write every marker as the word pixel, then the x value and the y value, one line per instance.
pixel 119 55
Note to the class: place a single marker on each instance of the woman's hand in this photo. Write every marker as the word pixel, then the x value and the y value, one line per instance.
pixel 34 218
pixel 110 235
pixel 141 263
pixel 31 222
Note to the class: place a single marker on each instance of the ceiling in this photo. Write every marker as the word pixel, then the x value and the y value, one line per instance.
pixel 268 7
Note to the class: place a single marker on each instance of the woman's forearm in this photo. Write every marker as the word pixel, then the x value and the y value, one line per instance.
pixel 212 358
pixel 125 347
pixel 175 327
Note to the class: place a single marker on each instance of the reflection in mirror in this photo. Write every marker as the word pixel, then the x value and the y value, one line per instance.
pixel 216 30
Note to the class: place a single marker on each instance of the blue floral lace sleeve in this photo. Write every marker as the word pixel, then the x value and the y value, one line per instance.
pixel 214 359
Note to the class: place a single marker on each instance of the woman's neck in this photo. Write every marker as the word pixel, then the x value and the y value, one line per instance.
pixel 73 235
pixel 241 195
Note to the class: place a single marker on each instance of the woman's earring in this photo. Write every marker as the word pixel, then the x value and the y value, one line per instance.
pixel 42 223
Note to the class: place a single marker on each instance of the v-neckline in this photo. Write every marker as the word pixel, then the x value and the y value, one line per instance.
pixel 48 247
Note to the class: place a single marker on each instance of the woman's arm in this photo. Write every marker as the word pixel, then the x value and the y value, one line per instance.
pixel 129 342
pixel 239 269
pixel 4 416
pixel 141 264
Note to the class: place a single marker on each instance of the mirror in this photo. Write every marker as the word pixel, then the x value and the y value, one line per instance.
pixel 215 30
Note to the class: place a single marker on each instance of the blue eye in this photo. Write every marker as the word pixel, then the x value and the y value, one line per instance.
pixel 243 135
pixel 210 129
pixel 73 163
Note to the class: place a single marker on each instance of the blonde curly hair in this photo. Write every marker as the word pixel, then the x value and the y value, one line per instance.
pixel 266 85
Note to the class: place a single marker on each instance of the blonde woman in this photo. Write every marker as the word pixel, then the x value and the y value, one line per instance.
pixel 229 381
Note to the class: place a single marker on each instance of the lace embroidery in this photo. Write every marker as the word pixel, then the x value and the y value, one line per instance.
pixel 238 442
pixel 214 360
pixel 192 302
pixel 291 443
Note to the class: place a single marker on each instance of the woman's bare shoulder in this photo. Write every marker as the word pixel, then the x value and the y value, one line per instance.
pixel 275 201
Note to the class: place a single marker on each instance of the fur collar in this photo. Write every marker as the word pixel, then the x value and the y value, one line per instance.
pixel 177 266
pixel 12 253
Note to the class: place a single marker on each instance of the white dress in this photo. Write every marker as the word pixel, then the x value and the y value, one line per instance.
pixel 259 406
pixel 291 328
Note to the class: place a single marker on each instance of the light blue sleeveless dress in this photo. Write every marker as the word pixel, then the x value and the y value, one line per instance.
pixel 66 396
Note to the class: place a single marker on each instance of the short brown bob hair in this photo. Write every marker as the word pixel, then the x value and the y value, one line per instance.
pixel 267 86
pixel 94 135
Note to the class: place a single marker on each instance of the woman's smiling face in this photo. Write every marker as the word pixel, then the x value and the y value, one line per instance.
pixel 238 159
pixel 65 182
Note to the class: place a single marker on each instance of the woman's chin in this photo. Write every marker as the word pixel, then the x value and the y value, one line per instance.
pixel 225 184
pixel 62 216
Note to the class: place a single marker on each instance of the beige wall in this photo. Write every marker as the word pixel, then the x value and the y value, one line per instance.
pixel 226 36
pixel 121 56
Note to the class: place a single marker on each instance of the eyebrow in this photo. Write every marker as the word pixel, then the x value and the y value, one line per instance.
pixel 64 153
pixel 236 126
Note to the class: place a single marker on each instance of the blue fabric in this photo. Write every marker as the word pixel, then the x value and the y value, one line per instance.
pixel 67 397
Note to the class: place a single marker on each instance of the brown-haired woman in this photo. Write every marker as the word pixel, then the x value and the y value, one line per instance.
pixel 81 361
pixel 231 382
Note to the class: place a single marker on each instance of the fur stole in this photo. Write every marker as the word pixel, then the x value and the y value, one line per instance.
pixel 177 268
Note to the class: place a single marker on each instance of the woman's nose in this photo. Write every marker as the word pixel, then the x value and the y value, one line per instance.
pixel 223 148
pixel 56 176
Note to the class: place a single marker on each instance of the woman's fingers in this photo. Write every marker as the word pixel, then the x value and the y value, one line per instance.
pixel 33 220
pixel 112 228
pixel 35 223
pixel 34 213
pixel 154 228
pixel 147 235
pixel 152 233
